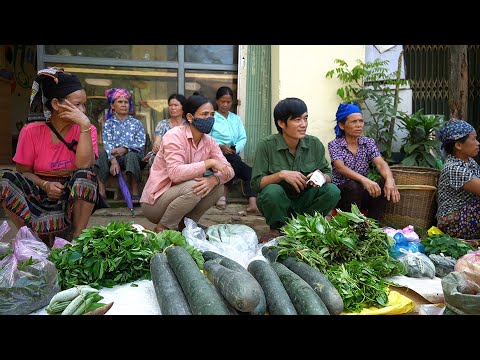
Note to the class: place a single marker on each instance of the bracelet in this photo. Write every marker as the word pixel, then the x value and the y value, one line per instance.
pixel 43 185
pixel 218 179
pixel 83 131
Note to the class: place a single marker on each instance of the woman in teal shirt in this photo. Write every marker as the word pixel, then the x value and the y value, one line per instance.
pixel 230 135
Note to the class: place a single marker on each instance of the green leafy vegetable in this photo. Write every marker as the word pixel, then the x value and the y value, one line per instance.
pixel 447 245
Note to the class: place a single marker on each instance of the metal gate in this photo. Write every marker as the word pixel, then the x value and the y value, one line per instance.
pixel 428 66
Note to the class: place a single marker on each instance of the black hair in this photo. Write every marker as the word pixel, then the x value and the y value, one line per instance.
pixel 449 145
pixel 194 102
pixel 181 99
pixel 289 108
pixel 224 90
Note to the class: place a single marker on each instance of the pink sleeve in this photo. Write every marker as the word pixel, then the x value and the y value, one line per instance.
pixel 25 153
pixel 216 153
pixel 94 140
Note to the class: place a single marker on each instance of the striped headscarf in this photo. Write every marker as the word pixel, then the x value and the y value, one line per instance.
pixel 50 83
pixel 113 94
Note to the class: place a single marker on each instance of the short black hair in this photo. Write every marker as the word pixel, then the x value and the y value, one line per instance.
pixel 289 108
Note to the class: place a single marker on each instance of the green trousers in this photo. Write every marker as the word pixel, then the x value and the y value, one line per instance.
pixel 277 206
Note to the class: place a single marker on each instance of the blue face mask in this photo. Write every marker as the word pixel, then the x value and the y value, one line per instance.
pixel 203 125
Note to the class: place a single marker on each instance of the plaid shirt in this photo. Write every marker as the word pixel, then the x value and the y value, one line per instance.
pixel 451 195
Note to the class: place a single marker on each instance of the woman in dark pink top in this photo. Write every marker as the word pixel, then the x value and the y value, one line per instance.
pixel 351 153
pixel 54 189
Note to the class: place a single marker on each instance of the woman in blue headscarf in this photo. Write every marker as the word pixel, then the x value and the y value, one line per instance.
pixel 350 154
pixel 459 183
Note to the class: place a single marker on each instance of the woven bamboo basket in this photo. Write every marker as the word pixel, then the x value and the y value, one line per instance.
pixel 415 175
pixel 417 207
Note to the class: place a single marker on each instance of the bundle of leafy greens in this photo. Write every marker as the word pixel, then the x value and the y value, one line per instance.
pixel 447 245
pixel 350 249
pixel 105 256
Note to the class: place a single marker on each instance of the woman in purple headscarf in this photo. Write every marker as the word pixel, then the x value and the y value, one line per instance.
pixel 351 153
pixel 458 194
pixel 123 142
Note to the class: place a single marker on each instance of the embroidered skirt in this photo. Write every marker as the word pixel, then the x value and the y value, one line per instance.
pixel 31 204
pixel 463 224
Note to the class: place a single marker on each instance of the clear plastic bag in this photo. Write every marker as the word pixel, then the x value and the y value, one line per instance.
pixel 28 280
pixel 236 241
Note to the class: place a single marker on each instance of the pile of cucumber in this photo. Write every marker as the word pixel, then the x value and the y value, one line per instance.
pixel 77 300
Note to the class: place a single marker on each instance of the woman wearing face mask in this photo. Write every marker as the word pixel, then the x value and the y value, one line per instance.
pixel 176 187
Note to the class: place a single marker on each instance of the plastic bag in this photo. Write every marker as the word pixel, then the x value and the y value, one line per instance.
pixel 28 280
pixel 469 266
pixel 460 297
pixel 408 232
pixel 236 241
pixel 397 304
pixel 443 264
pixel 417 264
pixel 401 243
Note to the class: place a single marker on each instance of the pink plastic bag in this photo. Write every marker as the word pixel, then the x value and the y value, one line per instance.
pixel 28 280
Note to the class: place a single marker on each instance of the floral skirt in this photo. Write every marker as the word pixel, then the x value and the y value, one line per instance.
pixel 463 224
pixel 31 204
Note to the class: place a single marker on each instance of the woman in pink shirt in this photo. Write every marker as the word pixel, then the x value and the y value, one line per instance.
pixel 53 188
pixel 188 173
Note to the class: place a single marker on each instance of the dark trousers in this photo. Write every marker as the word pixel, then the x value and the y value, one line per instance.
pixel 277 206
pixel 243 172
pixel 130 163
pixel 352 192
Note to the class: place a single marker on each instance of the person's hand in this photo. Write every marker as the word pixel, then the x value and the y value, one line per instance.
pixel 372 188
pixel 221 168
pixel 114 167
pixel 316 178
pixel 204 185
pixel 54 190
pixel 156 145
pixel 119 151
pixel 226 149
pixel 74 114
pixel 391 191
pixel 294 178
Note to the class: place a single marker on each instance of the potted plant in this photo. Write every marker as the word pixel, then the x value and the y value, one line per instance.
pixel 421 146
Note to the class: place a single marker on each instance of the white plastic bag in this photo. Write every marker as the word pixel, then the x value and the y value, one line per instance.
pixel 236 241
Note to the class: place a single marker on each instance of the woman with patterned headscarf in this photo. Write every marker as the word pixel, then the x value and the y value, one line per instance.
pixel 458 191
pixel 123 142
pixel 53 189
pixel 351 154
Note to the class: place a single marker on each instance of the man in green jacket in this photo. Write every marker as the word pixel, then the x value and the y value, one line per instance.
pixel 283 170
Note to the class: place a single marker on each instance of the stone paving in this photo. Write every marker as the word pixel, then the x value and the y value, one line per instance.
pixel 213 216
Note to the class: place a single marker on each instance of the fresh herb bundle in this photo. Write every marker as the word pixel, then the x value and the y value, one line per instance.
pixel 105 256
pixel 350 249
pixel 447 245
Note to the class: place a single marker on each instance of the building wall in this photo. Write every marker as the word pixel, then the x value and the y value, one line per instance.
pixel 299 71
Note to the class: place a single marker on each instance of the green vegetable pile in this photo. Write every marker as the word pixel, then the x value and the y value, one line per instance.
pixel 105 256
pixel 350 249
pixel 447 245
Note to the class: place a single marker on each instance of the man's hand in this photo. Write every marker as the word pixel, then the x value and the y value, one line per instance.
pixel 294 178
